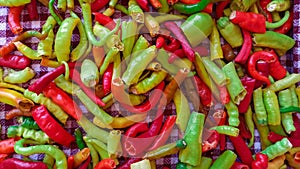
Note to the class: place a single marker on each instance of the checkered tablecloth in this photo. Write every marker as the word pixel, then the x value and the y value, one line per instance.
pixel 291 60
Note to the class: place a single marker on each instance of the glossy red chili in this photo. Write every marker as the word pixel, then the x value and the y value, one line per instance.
pixel 159 42
pixel 250 21
pixel 32 10
pixel 260 162
pixel 70 162
pixel 263 4
pixel 173 45
pixel 144 4
pixel 244 53
pixel 248 84
pixel 104 20
pixel 242 149
pixel 244 132
pixel 276 70
pixel 15 61
pixel 14 16
pixel 107 163
pixel 85 164
pixel 263 69
pixel 211 141
pixel 98 4
pixel 107 79
pixel 286 27
pixel 203 91
pixel 220 8
pixel 7 146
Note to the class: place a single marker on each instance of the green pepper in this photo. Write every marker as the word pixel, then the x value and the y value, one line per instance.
pixel 168 149
pixel 199 24
pixel 113 144
pixel 286 82
pixel 29 123
pixel 45 46
pixel 227 130
pixel 278 148
pixel 59 156
pixel 110 56
pixel 11 3
pixel 285 100
pixel 129 32
pixel 235 87
pixel 137 65
pixel 259 107
pixel 250 125
pixel 226 160
pixel 214 71
pixel 278 5
pixel 193 136
pixel 165 6
pixel 152 25
pixel 135 11
pixel 39 136
pixel 79 139
pixel 17 77
pixel 49 160
pixel 230 32
pixel 94 154
pixel 263 133
pixel 241 5
pixel 122 8
pixel 233 113
pixel 182 110
pixel 272 107
pixel 215 44
pixel 191 9
pixel 89 74
pixel 27 51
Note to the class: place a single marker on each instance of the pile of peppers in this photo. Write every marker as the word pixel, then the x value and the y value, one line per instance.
pixel 208 72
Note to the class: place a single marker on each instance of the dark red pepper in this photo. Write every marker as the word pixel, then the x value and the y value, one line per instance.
pixel 220 8
pixel 250 21
pixel 238 165
pixel 224 94
pixel 107 163
pixel 273 137
pixel 159 42
pixel 98 4
pixel 104 20
pixel 70 162
pixel 173 45
pixel 286 27
pixel 296 134
pixel 260 162
pixel 242 149
pixel 85 164
pixel 15 163
pixel 263 4
pixel 51 127
pixel 14 17
pixel 210 140
pixel 276 70
pixel 144 4
pixel 244 132
pixel 203 91
pixel 15 61
pixel 248 84
pixel 107 78
pixel 7 146
pixel 179 53
pixel 244 53
pixel 263 69
pixel 32 10
pixel 62 99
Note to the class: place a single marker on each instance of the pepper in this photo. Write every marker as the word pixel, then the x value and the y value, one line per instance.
pixel 260 162
pixel 191 9
pixel 106 164
pixel 277 149
pixel 16 99
pixel 278 5
pixel 215 44
pixel 182 110
pixel 203 91
pixel 135 11
pixel 241 5
pixel 226 160
pixel 226 28
pixel 164 150
pixel 98 4
pixel 285 28
pixel 285 82
pixel 220 8
pixel 32 10
pixel 227 130
pixel 17 77
pixel 14 19
pixel 122 8
pixel 63 100
pixel 214 71
pixel 21 164
pixel 211 142
pixel 285 100
pixel 173 45
pixel 89 74
pixel 39 136
pixel 276 70
pixel 7 145
pixel 248 84
pixel 144 4
pixel 279 23
pixel 249 21
pixel 60 158
pixel 242 149
pixel 272 107
pixel 79 140
pixel 86 163
pixel 129 30
pixel 233 114
pixel 16 112
pixel 263 133
pixel 11 3
pixel 80 157
pixel 29 123
pixel 128 162
pixel 259 107
pixel 27 51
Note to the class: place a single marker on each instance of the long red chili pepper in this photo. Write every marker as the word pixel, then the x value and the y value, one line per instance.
pixel 62 99
pixel 263 4
pixel 173 45
pixel 104 20
pixel 296 134
pixel 75 76
pixel 107 78
pixel 220 8
pixel 250 21
pixel 209 8
pixel 32 10
pixel 70 162
pixel 98 4
pixel 248 84
pixel 203 91
pixel 144 4
pixel 107 163
pixel 276 70
pixel 42 82
pixel 14 16
pixel 246 48
pixel 15 61
pixel 286 27
pixel 260 55
pixel 244 132
pixel 273 137
pixel 242 149
pixel 179 53
pixel 175 29
pixel 51 127
pixel 164 133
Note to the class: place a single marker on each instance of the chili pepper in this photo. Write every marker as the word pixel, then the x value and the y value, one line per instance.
pixel 27 51
pixel 285 100
pixel 135 11
pixel 278 5
pixel 159 42
pixel 260 162
pixel 248 84
pixel 257 23
pixel 78 137
pixel 238 165
pixel 285 82
pixel 151 24
pixel 203 91
pixel 263 133
pixel 214 71
pixel 278 23
pixel 228 130
pixel 11 3
pixel 63 100
pixel 21 76
pixel 278 161
pixel 94 155
pixel 80 157
pixel 244 132
pixel 215 46
pixel 191 9
pixel 277 149
pixel 129 30
pixel 112 53
pixel 62 5
pixel 98 4
pixel 16 99
pixel 39 136
pixel 179 53
pixel 226 160
pixel 156 4
pixel 197 24
pixel 173 45
pixel 7 146
pixel 14 61
pixel 14 19
pixel 32 10
pixel 242 149
pixel 114 145
pixel 54 13
pixel 59 156
pixel 233 114
pixel 220 8
pixel 99 146
pixel 276 70
pixel 104 20
pixel 21 164
pixel 272 107
pixel 193 137
pixel 250 125
pixel 244 53
pixel 70 162
pixel 44 48
pixel 263 4
pixel 285 28
pixel 144 4
pixel 211 142
pixel 16 112
pixel 106 164
pixel 182 113
pixel 48 160
pixel 89 74
pixel 183 40
pixel 29 123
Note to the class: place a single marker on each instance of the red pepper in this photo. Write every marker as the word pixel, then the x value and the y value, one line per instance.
pixel 14 16
pixel 273 137
pixel 248 84
pixel 98 4
pixel 211 142
pixel 70 162
pixel 144 4
pixel 256 56
pixel 203 91
pixel 220 8
pixel 189 2
pixel 7 146
pixel 263 5
pixel 164 133
pixel 220 118
pixel 50 126
pixel 244 132
pixel 15 61
pixel 159 42
pixel 3 157
pixel 286 27
pixel 250 21
pixel 209 8
pixel 107 78
pixel 21 164
pixel 263 69
pixel 75 76
pixel 276 70
pixel 296 134
pixel 85 164
pixel 42 82
pixel 244 53
pixel 104 20
pixel 242 149
pixel 260 162
pixel 172 2
pixel 175 29
pixel 149 104
pixel 62 99
pixel 173 45
pixel 107 163
pixel 32 10
pixel 224 94
pixel 179 53
pixel 127 164
pixel 238 165
pixel 201 50
pixel 156 4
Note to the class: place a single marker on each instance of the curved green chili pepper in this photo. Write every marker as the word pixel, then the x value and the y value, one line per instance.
pixel 272 107
pixel 57 17
pixel 278 148
pixel 49 161
pixel 94 154
pixel 45 46
pixel 233 114
pixel 140 44
pixel 99 146
pixel 285 100
pixel 113 52
pixel 59 156
pixel 17 77
pixel 286 82
pixel 215 44
pixel 122 8
pixel 250 125
pixel 79 139
pixel 38 136
pixel 89 74
pixel 278 5
pixel 164 6
pixel 51 106
pixel 193 137
pixel 62 5
pixel 63 38
pixel 191 9
pixel 277 24
pixel 226 160
pixel 259 107
pixel 11 3
pixel 27 51
pixel 227 130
